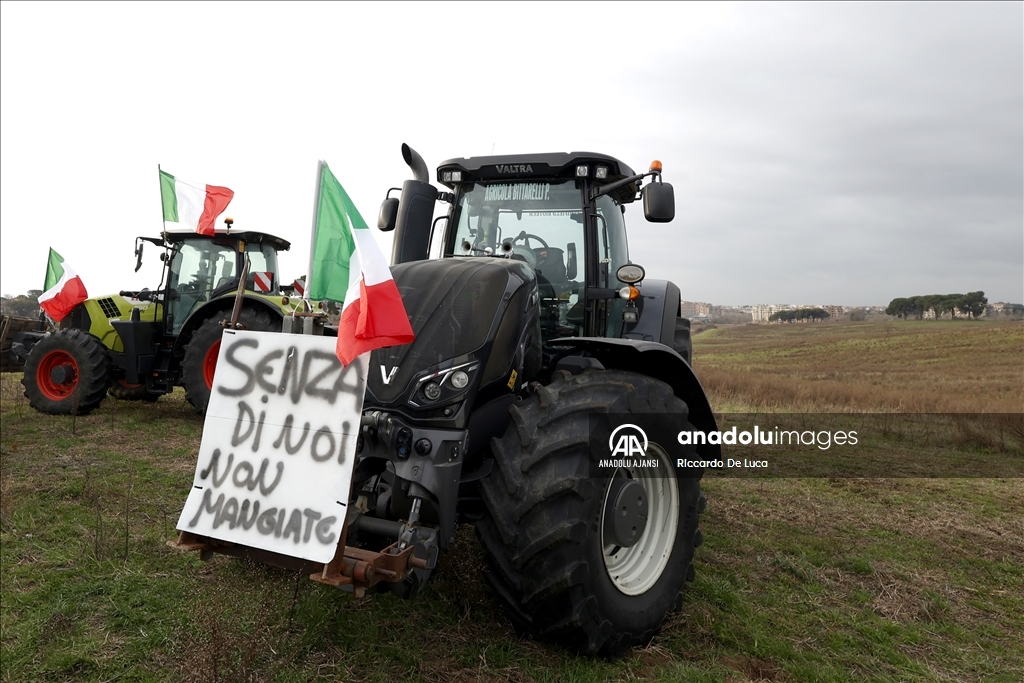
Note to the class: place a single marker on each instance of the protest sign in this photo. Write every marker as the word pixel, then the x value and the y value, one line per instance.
pixel 279 445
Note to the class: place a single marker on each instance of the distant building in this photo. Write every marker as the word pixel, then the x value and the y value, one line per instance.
pixel 730 315
pixel 690 309
pixel 834 312
pixel 762 312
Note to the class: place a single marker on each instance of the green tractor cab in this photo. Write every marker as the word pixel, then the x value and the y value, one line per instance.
pixel 139 345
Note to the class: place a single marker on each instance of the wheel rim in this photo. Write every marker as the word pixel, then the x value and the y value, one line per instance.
pixel 634 570
pixel 57 391
pixel 210 363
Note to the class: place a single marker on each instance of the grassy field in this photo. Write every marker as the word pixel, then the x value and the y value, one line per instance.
pixel 902 366
pixel 798 580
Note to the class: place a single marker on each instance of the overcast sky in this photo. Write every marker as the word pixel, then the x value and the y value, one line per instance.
pixel 820 153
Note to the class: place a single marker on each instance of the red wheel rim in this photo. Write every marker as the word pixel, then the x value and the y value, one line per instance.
pixel 57 391
pixel 210 363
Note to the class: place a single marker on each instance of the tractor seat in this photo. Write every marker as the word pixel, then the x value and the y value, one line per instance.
pixel 552 280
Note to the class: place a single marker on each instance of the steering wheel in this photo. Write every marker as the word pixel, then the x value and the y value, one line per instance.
pixel 526 237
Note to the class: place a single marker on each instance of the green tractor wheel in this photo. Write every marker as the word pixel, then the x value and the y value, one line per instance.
pixel 67 372
pixel 203 349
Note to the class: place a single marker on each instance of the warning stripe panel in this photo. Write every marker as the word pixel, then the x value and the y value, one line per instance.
pixel 263 281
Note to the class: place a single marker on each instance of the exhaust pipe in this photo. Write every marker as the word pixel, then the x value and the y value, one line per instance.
pixel 416 163
pixel 415 212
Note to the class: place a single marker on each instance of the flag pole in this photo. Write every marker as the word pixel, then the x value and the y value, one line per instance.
pixel 160 179
pixel 312 238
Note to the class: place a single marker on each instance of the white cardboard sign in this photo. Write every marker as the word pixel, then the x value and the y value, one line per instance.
pixel 279 445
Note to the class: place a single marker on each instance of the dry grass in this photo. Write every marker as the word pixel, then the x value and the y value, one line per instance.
pixel 904 366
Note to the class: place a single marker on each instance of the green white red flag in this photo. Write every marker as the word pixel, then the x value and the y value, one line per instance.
pixel 346 256
pixel 63 289
pixel 192 205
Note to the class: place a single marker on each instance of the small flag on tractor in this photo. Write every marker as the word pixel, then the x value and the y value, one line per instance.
pixel 263 281
pixel 63 289
pixel 193 205
pixel 347 259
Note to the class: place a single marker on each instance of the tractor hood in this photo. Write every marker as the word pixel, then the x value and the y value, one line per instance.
pixel 455 306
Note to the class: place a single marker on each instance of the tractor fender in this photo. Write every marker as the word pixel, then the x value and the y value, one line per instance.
pixel 654 360
pixel 216 307
pixel 658 308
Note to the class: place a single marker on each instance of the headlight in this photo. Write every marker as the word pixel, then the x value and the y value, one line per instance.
pixel 443 386
pixel 432 390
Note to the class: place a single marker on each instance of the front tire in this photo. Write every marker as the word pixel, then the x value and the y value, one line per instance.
pixel 203 349
pixel 549 562
pixel 67 372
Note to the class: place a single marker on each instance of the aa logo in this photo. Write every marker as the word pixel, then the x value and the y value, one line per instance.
pixel 628 441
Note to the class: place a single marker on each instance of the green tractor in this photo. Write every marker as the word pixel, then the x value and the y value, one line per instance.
pixel 139 345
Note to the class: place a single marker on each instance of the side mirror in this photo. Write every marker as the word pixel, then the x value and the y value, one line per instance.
pixel 570 261
pixel 388 215
pixel 138 255
pixel 659 202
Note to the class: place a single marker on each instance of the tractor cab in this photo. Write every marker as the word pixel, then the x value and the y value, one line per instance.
pixel 541 209
pixel 202 268
pixel 564 214
pixel 561 214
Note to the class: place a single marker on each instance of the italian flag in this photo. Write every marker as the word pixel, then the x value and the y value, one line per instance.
pixel 63 289
pixel 193 205
pixel 344 251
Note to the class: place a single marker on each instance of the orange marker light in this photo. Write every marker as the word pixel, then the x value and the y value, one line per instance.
pixel 655 166
pixel 629 293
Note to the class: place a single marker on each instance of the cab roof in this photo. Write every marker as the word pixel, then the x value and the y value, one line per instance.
pixel 550 165
pixel 245 235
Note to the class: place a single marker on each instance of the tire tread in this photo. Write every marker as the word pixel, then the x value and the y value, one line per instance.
pixel 536 501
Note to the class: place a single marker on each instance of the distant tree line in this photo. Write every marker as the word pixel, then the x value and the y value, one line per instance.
pixel 971 304
pixel 802 314
pixel 25 305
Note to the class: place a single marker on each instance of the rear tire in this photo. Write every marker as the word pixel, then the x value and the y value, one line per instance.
pixel 542 532
pixel 67 372
pixel 203 348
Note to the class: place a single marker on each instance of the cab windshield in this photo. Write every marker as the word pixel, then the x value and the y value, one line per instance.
pixel 198 266
pixel 540 223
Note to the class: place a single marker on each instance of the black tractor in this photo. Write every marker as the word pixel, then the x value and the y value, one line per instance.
pixel 139 345
pixel 533 330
